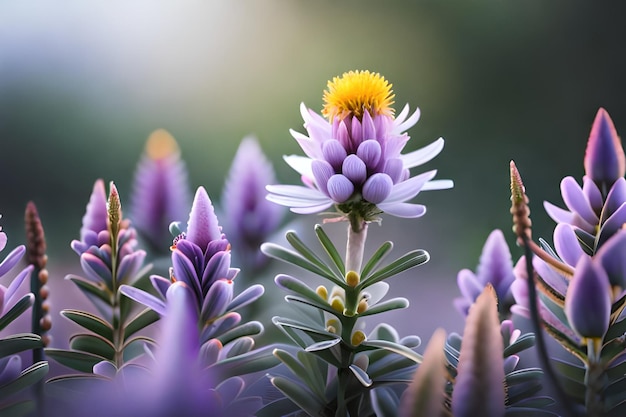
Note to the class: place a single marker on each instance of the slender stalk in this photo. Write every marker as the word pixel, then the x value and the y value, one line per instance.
pixel 357 235
pixel 595 379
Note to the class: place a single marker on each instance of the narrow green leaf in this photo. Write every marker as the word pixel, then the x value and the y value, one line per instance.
pixel 135 347
pixel 250 328
pixel 405 262
pixel 280 407
pixel 79 361
pixel 305 251
pixel 247 363
pixel 90 322
pixel 301 371
pixel 93 344
pixel 378 256
pixel 88 287
pixel 18 343
pixel 304 398
pixel 330 249
pixel 321 306
pixel 318 371
pixel 361 375
pixel 20 307
pixel 295 285
pixel 570 370
pixel 525 341
pixel 528 412
pixel 28 377
pixel 393 304
pixel 278 252
pixel 385 402
pixel 521 376
pixel 140 321
pixel 17 409
pixel 393 347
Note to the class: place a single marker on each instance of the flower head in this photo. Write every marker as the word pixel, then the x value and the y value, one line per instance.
pixel 604 158
pixel 354 158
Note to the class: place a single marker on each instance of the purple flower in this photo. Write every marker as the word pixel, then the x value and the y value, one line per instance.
pixel 160 189
pixel 249 216
pixel 478 388
pixel 496 268
pixel 588 300
pixel 354 159
pixel 604 158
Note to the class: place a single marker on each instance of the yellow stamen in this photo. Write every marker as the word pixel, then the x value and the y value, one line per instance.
pixel 322 292
pixel 357 338
pixel 352 279
pixel 356 92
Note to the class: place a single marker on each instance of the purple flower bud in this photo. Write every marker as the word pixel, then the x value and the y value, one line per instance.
pixel 340 188
pixel 611 257
pixel 322 171
pixel 369 129
pixel 95 218
pixel 377 188
pixel 354 169
pixel 10 368
pixel 342 134
pixel 395 169
pixel 217 299
pixel 369 151
pixel 588 300
pixel 202 227
pixel 334 153
pixel 604 158
pixel 566 244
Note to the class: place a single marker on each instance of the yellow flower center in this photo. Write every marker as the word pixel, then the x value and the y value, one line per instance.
pixel 355 92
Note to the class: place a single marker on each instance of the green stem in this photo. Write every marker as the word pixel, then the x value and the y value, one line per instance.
pixel 342 408
pixel 595 380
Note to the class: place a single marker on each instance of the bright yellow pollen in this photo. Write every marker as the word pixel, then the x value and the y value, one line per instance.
pixel 356 92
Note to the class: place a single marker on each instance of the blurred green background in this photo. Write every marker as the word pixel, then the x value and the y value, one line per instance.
pixel 82 85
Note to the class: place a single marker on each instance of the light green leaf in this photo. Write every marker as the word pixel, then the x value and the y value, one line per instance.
pixel 393 304
pixel 361 375
pixel 301 371
pixel 88 287
pixel 305 251
pixel 278 252
pixel 525 341
pixel 378 256
pixel 90 322
pixel 135 347
pixel 521 376
pixel 385 402
pixel 247 363
pixel 280 407
pixel 97 345
pixel 330 249
pixel 405 262
pixel 322 306
pixel 250 328
pixel 304 398
pixel 393 347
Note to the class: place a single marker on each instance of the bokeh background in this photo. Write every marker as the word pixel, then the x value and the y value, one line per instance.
pixel 83 84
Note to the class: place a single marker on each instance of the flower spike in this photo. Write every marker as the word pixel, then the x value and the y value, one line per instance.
pixel 604 157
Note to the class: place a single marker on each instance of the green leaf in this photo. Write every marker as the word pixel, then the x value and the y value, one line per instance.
pixel 393 304
pixel 569 370
pixel 305 251
pixel 361 375
pixel 250 328
pixel 20 307
pixel 325 307
pixel 97 345
pixel 140 321
pixel 405 262
pixel 18 343
pixel 28 377
pixel 528 412
pixel 378 256
pixel 75 384
pixel 330 249
pixel 80 361
pixel 301 371
pixel 385 402
pixel 247 363
pixel 90 322
pixel 393 347
pixel 88 287
pixel 278 252
pixel 521 376
pixel 135 347
pixel 525 341
pixel 305 399
pixel 280 407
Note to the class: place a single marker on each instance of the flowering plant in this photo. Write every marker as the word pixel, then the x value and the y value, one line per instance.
pixel 170 329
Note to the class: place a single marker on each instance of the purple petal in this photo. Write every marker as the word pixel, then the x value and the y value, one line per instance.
pixel 354 169
pixel 369 151
pixel 588 300
pixel 106 369
pixel 160 284
pixel 369 128
pixel 395 169
pixel 604 157
pixel 185 271
pixel 95 268
pixel 612 225
pixel 342 135
pixel 309 146
pixel 11 259
pixel 593 194
pixel 202 226
pixel 408 189
pixel 576 200
pixel 495 265
pixel 558 214
pixel 3 240
pixel 377 188
pixel 15 285
pixel 611 256
pixel 405 210
pixel 566 244
pixel 144 298
pixel 340 188
pixel 210 351
pixel 615 198
pixel 95 218
pixel 10 369
pixel 334 153
pixel 248 296
pixel 469 285
pixel 130 266
pixel 217 268
pixel 322 171
pixel 217 299
pixel 356 133
pixel 478 388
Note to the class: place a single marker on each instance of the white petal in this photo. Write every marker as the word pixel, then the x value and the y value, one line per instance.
pixel 311 209
pixel 301 164
pixel 406 210
pixel 401 125
pixel 310 147
pixel 438 185
pixel 423 155
pixel 293 202
pixel 408 189
pixel 377 292
pixel 296 191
